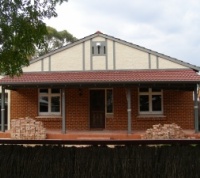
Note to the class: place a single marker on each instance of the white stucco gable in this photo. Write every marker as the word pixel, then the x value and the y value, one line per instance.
pixel 103 52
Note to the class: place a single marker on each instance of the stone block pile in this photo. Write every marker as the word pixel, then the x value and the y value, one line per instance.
pixel 27 129
pixel 166 131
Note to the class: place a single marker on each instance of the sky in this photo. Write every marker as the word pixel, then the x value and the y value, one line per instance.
pixel 170 27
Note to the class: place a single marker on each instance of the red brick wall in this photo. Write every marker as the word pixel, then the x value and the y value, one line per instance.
pixel 119 120
pixel 77 109
pixel 178 108
pixel 24 103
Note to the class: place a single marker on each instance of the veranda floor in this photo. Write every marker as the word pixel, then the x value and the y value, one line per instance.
pixel 97 135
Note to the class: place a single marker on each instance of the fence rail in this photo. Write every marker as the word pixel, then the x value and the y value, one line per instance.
pixel 102 142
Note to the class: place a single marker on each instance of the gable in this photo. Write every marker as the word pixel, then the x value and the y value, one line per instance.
pixel 130 58
pixel 68 60
pixel 102 52
pixel 166 64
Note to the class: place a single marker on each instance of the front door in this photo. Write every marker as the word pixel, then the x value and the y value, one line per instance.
pixel 97 109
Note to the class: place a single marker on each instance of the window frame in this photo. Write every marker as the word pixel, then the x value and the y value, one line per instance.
pixel 150 93
pixel 49 95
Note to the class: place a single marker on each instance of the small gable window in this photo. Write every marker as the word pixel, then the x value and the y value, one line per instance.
pixel 98 48
pixel 92 49
pixel 104 48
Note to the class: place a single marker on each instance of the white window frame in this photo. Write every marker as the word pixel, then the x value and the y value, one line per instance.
pixel 49 95
pixel 150 93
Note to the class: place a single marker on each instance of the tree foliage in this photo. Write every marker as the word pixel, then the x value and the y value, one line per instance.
pixel 21 29
pixel 55 39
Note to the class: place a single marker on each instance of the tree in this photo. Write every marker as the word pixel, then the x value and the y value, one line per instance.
pixel 21 29
pixel 55 39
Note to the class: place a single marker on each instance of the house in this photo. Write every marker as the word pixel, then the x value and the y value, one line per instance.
pixel 103 83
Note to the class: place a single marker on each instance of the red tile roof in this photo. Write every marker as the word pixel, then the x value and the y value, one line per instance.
pixel 88 77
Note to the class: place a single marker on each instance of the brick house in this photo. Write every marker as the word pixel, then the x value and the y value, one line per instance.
pixel 104 83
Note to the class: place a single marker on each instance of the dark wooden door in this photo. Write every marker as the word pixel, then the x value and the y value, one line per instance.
pixel 97 109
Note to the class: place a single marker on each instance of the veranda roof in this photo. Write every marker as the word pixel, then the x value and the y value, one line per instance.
pixel 103 77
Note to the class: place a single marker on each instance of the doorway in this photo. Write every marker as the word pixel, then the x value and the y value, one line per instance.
pixel 97 109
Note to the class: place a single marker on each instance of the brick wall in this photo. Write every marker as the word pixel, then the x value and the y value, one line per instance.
pixel 119 119
pixel 178 108
pixel 77 109
pixel 24 103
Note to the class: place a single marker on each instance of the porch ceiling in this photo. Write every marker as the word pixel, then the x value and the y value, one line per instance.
pixel 178 77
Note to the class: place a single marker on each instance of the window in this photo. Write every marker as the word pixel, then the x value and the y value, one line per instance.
pixel 150 101
pixel 98 48
pixel 104 49
pixel 49 102
pixel 109 101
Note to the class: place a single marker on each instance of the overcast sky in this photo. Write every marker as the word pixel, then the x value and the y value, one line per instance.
pixel 171 27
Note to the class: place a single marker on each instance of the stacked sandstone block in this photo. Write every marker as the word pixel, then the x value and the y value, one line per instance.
pixel 27 129
pixel 166 131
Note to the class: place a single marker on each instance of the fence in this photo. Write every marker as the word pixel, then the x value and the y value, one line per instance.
pixel 179 159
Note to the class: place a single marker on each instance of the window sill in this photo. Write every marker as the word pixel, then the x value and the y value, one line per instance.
pixel 151 116
pixel 109 115
pixel 49 117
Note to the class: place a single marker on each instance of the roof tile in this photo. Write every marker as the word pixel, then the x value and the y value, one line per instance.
pixel 103 77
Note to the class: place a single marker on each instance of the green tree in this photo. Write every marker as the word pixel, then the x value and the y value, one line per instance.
pixel 55 39
pixel 21 29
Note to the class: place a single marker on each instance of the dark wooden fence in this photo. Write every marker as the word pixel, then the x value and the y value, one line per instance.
pixel 110 158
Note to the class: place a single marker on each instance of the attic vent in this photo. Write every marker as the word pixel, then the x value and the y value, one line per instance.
pixel 98 48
